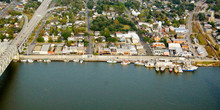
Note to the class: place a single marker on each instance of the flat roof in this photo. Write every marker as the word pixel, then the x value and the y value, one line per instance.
pixel 37 48
pixel 45 47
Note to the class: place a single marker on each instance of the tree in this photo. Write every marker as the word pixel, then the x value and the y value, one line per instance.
pixel 201 16
pixel 41 32
pixel 90 4
pixel 111 39
pixel 182 21
pixel 69 43
pixel 99 39
pixel 59 40
pixel 40 39
pixel 66 34
pixel 116 22
pixel 50 40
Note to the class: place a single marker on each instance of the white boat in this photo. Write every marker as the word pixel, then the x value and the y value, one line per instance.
pixel 23 60
pixel 76 60
pixel 125 63
pixel 139 63
pixel 39 60
pixel 81 61
pixel 30 61
pixel 150 64
pixel 180 69
pixel 66 61
pixel 112 61
pixel 190 68
pixel 47 60
pixel 162 69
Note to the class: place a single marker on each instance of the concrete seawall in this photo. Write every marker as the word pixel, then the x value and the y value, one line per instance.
pixel 104 58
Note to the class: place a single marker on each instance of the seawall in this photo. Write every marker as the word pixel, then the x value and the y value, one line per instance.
pixel 199 62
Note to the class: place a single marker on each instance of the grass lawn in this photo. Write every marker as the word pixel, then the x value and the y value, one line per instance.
pixel 202 41
pixel 194 28
pixel 209 51
pixel 126 27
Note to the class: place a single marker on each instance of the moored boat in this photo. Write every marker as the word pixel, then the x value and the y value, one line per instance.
pixel 157 68
pixel 39 60
pixel 111 61
pixel 180 69
pixel 125 63
pixel 170 69
pixel 139 63
pixel 150 64
pixel 81 61
pixel 30 61
pixel 189 68
pixel 162 69
pixel 76 60
pixel 175 69
pixel 23 60
pixel 47 61
pixel 66 61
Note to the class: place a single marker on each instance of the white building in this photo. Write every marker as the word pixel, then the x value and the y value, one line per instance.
pixel 44 49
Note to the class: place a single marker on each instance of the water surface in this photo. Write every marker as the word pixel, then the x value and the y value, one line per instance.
pixel 101 86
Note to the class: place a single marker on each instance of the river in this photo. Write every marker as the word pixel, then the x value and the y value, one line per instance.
pixel 102 86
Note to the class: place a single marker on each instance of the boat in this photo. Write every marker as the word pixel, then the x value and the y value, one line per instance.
pixel 190 68
pixel 23 60
pixel 30 61
pixel 150 64
pixel 15 60
pixel 39 60
pixel 47 61
pixel 125 63
pixel 66 61
pixel 139 63
pixel 175 69
pixel 111 61
pixel 81 61
pixel 180 69
pixel 76 60
pixel 162 69
pixel 157 68
pixel 170 69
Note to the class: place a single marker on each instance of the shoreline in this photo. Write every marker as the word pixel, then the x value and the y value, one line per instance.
pixel 97 58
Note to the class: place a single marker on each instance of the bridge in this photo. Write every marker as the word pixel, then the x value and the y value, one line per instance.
pixel 17 45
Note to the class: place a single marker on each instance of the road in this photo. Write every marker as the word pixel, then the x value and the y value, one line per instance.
pixel 33 43
pixel 143 43
pixel 27 30
pixel 12 5
pixel 90 45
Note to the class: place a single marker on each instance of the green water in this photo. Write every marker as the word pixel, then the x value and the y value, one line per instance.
pixel 102 86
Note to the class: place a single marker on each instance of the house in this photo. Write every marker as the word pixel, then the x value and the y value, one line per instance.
pixel 97 33
pixel 79 23
pixel 135 13
pixel 44 49
pixel 180 41
pixel 37 49
pixel 175 48
pixel 180 30
pixel 158 44
pixel 46 38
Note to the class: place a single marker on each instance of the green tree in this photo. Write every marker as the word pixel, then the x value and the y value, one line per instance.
pixel 50 40
pixel 66 34
pixel 201 16
pixel 40 39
